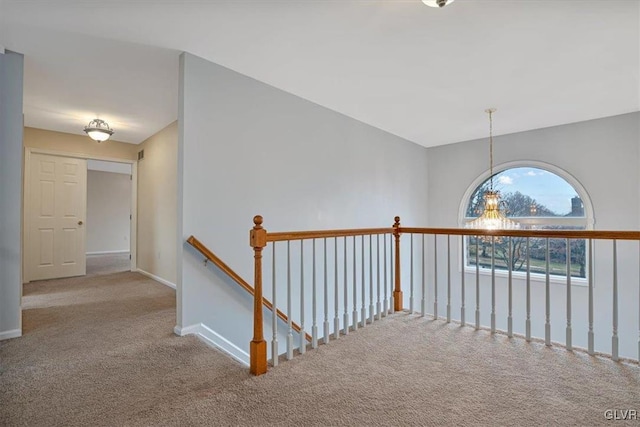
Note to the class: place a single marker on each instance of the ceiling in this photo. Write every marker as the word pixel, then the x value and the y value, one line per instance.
pixel 421 73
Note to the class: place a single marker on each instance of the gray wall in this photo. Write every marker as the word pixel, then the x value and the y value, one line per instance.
pixel 108 210
pixel 246 148
pixel 603 156
pixel 600 154
pixel 11 72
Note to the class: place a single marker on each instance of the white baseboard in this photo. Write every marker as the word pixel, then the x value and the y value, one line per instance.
pixel 15 333
pixel 123 251
pixel 215 340
pixel 157 279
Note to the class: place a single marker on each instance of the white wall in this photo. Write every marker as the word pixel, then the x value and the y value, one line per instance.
pixel 603 155
pixel 157 210
pixel 11 80
pixel 108 210
pixel 247 148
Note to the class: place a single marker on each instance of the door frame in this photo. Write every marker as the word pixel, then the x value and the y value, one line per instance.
pixel 26 182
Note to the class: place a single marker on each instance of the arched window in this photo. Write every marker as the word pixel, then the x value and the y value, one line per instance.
pixel 537 196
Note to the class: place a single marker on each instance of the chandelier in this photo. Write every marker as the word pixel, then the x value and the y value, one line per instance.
pixel 98 130
pixel 493 209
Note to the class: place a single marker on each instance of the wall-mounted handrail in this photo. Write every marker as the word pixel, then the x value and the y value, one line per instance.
pixel 236 277
pixel 218 262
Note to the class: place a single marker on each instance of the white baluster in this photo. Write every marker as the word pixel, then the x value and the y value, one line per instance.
pixel 411 274
pixel 303 340
pixel 314 327
pixel 569 342
pixel 510 280
pixel 477 284
pixel 355 288
pixel 462 277
pixel 371 313
pixel 363 310
pixel 493 285
pixel 346 287
pixel 289 322
pixel 274 318
pixel 378 300
pixel 614 338
pixel 547 298
pixel 326 296
pixel 385 310
pixel 528 291
pixel 448 278
pixel 435 276
pixel 590 336
pixel 423 301
pixel 336 291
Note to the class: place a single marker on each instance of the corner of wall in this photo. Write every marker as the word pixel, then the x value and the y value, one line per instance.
pixel 157 200
pixel 215 340
pixel 11 172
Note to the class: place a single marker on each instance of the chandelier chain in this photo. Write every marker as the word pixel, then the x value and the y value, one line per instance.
pixel 491 146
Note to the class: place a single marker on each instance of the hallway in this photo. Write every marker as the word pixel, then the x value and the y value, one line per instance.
pixel 100 350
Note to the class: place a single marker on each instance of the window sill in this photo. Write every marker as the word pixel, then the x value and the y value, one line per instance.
pixel 535 277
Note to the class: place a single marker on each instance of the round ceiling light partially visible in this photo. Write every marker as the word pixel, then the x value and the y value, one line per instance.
pixel 98 130
pixel 437 3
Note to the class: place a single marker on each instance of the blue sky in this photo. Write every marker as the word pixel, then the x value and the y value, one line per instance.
pixel 545 187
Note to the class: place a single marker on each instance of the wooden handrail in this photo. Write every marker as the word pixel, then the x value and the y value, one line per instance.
pixel 561 234
pixel 239 280
pixel 570 234
pixel 318 234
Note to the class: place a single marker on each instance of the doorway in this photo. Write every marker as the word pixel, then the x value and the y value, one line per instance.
pixel 108 225
pixel 101 219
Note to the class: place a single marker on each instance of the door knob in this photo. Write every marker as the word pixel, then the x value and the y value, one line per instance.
pixel 80 222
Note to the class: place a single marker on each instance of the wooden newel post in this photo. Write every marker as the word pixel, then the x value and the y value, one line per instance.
pixel 258 346
pixel 397 290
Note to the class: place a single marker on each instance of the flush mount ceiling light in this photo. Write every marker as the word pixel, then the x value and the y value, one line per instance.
pixel 437 3
pixel 493 216
pixel 98 130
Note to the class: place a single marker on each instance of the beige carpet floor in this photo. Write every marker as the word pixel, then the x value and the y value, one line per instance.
pixel 100 351
pixel 108 263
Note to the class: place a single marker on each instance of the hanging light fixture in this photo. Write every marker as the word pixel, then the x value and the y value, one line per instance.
pixel 493 211
pixel 98 130
pixel 437 3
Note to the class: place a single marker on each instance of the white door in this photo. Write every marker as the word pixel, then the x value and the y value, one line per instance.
pixel 56 212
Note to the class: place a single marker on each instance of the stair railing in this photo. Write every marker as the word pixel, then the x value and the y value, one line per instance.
pixel 539 292
pixel 350 250
pixel 356 292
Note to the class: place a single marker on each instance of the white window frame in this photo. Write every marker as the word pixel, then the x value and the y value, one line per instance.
pixel 587 221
